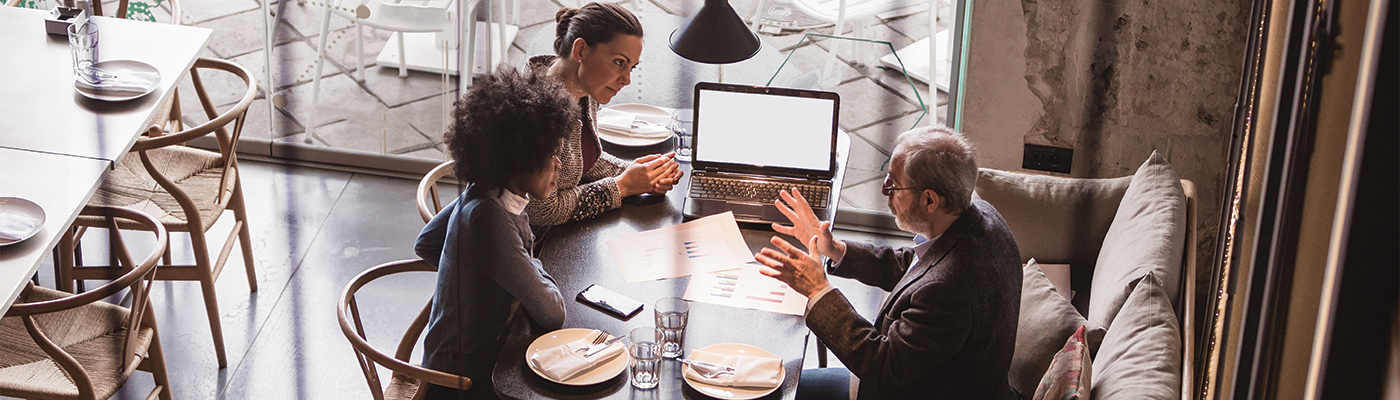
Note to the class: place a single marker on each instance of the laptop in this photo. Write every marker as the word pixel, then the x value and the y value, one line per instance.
pixel 752 141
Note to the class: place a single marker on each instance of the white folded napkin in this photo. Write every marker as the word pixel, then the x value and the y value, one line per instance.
pixel 15 226
pixel 134 82
pixel 749 371
pixel 634 125
pixel 562 363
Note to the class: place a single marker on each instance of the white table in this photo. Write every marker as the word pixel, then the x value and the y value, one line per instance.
pixel 58 183
pixel 42 111
pixel 56 145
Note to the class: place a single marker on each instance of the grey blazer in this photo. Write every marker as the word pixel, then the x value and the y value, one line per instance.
pixel 948 329
pixel 482 252
pixel 580 194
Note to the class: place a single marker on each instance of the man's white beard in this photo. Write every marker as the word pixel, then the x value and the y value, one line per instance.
pixel 911 221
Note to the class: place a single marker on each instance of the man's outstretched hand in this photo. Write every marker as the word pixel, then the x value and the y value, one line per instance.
pixel 800 270
pixel 806 226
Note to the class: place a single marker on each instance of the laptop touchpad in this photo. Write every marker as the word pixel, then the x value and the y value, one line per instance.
pixel 747 211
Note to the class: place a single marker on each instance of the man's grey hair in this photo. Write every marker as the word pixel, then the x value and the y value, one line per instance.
pixel 938 158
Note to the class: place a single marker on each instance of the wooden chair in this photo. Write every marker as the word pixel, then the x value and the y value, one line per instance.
pixel 63 346
pixel 407 378
pixel 187 189
pixel 428 201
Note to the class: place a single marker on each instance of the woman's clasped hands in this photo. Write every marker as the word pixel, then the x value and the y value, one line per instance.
pixel 656 173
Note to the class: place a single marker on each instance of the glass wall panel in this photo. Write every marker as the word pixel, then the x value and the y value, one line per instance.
pixel 371 82
pixel 878 102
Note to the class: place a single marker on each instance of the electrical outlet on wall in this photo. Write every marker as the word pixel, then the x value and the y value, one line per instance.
pixel 1047 158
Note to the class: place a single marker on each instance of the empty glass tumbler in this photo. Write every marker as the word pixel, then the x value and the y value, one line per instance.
pixel 681 125
pixel 644 346
pixel 82 39
pixel 672 314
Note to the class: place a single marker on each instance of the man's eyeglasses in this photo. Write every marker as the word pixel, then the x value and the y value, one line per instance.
pixel 888 188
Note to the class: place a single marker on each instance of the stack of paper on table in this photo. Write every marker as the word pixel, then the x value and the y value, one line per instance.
pixel 707 244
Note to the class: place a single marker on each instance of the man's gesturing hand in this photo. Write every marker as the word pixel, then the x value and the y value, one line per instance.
pixel 806 226
pixel 802 271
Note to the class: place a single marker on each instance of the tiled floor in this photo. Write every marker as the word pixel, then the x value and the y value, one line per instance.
pixel 313 230
pixel 380 112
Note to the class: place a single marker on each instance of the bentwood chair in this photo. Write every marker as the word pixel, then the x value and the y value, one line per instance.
pixel 187 189
pixel 63 346
pixel 407 378
pixel 428 201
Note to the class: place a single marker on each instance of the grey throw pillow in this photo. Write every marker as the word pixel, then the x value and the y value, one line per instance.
pixel 1056 220
pixel 1046 321
pixel 1140 357
pixel 1147 235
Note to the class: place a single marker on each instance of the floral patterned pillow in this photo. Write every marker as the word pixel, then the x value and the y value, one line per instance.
pixel 1069 374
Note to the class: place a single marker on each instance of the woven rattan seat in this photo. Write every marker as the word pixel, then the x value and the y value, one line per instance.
pixel 56 345
pixel 197 171
pixel 89 334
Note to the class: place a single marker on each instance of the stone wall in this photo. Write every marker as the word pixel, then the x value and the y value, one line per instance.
pixel 1114 80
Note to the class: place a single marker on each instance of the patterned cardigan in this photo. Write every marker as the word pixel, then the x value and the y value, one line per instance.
pixel 579 194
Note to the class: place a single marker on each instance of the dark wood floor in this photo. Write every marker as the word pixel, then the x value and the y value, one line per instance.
pixel 313 230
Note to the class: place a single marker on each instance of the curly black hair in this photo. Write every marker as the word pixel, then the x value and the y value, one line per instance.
pixel 509 125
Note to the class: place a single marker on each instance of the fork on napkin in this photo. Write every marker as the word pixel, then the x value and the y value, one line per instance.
pixel 126 81
pixel 749 371
pixel 14 226
pixel 563 362
pixel 634 125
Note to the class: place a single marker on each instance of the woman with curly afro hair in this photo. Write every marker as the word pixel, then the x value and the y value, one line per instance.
pixel 504 137
pixel 595 49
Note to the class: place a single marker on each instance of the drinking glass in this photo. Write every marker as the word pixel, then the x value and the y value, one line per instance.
pixel 672 314
pixel 681 123
pixel 645 370
pixel 82 39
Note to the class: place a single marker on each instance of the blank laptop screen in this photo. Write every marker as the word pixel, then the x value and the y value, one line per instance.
pixel 764 129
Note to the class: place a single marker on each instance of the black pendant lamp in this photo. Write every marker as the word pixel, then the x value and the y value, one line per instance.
pixel 715 35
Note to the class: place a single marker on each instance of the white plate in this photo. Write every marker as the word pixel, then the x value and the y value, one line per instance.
pixel 115 66
pixel 598 374
pixel 15 205
pixel 635 108
pixel 725 392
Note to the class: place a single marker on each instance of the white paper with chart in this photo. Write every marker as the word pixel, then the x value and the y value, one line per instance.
pixel 746 288
pixel 707 244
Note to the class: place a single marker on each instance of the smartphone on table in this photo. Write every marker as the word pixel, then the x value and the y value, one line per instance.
pixel 610 302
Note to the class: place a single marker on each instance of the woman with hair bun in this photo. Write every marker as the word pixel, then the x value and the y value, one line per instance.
pixel 596 48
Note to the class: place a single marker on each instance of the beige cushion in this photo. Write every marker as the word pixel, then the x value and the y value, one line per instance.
pixel 1070 376
pixel 1056 220
pixel 1147 235
pixel 1141 353
pixel 1046 320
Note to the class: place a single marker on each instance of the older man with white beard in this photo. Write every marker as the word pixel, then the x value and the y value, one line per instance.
pixel 948 328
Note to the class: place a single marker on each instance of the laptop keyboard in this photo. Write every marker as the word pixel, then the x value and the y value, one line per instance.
pixel 747 191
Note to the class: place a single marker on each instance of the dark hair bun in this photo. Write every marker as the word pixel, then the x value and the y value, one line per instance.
pixel 561 26
pixel 562 19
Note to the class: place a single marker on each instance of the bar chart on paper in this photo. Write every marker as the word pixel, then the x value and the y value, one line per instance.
pixel 707 244
pixel 745 288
